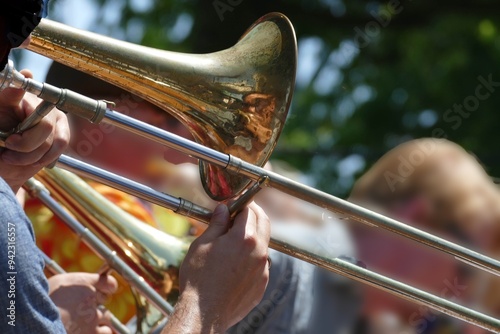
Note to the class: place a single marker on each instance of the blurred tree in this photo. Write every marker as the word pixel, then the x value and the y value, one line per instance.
pixel 371 74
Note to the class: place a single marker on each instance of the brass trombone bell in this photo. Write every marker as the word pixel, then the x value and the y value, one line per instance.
pixel 233 101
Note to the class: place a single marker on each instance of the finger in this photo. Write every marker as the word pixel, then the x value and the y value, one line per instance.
pixel 48 152
pixel 104 317
pixel 32 138
pixel 219 224
pixel 263 223
pixel 245 225
pixel 27 73
pixel 103 322
pixel 25 159
pixel 103 330
pixel 101 297
pixel 11 97
pixel 108 319
pixel 59 142
pixel 105 284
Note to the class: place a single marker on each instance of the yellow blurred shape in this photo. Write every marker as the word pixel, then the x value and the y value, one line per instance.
pixel 487 29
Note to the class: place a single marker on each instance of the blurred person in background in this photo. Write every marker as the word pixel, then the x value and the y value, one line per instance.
pixel 434 185
pixel 300 297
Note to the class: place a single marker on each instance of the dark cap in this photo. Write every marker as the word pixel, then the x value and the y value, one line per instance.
pixel 63 76
pixel 17 21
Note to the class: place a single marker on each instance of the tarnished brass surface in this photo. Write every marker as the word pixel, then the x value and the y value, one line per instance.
pixel 235 101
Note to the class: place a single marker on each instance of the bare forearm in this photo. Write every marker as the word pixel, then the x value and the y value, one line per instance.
pixel 189 317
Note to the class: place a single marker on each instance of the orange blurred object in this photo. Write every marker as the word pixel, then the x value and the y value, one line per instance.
pixel 60 243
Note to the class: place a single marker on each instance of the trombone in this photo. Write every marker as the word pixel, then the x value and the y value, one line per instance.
pixel 235 103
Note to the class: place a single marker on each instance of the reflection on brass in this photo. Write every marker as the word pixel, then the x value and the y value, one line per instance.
pixel 235 101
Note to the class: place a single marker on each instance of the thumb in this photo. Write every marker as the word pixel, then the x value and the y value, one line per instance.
pixel 106 284
pixel 219 224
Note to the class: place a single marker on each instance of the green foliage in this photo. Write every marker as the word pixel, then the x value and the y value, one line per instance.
pixel 360 97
